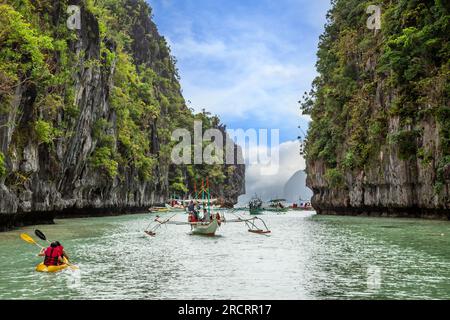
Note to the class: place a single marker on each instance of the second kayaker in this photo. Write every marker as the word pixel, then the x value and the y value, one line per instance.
pixel 61 249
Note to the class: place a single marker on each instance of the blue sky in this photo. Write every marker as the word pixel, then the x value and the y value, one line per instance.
pixel 248 61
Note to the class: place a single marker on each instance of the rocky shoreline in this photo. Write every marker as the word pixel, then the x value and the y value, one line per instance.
pixel 16 220
pixel 410 213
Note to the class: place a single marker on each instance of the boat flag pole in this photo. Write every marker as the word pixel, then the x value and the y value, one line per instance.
pixel 195 188
pixel 203 189
pixel 208 193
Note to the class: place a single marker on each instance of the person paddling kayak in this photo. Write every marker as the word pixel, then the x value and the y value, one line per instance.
pixel 53 254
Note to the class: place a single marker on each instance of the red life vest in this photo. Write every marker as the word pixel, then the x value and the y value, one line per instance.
pixel 51 256
pixel 192 218
pixel 61 249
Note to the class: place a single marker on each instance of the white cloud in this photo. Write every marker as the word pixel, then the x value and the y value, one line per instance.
pixel 249 74
pixel 245 62
pixel 270 186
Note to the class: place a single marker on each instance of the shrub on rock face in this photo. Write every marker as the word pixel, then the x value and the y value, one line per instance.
pixel 334 178
pixel 44 131
pixel 406 142
pixel 102 159
pixel 2 165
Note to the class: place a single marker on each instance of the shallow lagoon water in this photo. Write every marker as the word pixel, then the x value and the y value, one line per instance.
pixel 306 257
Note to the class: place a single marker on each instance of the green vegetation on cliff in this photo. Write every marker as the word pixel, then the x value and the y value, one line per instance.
pixel 377 89
pixel 2 165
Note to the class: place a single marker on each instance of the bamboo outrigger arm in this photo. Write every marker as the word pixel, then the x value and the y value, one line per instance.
pixel 251 224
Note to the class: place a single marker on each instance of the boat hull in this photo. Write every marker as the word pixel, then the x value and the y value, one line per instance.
pixel 277 209
pixel 256 211
pixel 207 229
pixel 41 267
pixel 158 210
pixel 176 210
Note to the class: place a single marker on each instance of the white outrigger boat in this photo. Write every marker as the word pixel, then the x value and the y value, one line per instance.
pixel 209 228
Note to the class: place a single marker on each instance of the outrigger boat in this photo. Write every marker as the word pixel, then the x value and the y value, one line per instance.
pixel 303 205
pixel 209 224
pixel 175 208
pixel 158 209
pixel 255 205
pixel 276 205
pixel 208 228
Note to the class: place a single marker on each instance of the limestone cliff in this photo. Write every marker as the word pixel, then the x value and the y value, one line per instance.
pixel 86 115
pixel 379 141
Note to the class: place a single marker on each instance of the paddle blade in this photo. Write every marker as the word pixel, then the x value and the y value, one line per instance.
pixel 40 234
pixel 27 238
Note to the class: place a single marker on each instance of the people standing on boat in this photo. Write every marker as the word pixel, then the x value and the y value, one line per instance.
pixel 191 206
pixel 192 217
pixel 206 216
pixel 218 218
pixel 191 209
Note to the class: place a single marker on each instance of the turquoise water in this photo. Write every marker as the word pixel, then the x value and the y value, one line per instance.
pixel 306 257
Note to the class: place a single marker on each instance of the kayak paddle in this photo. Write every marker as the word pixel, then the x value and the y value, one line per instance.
pixel 30 240
pixel 42 236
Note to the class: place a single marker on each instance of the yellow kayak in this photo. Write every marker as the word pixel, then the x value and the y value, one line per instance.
pixel 41 267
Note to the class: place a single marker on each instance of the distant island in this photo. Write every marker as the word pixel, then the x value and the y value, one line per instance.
pixel 295 189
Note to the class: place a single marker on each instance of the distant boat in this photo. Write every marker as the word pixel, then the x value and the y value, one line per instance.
pixel 175 208
pixel 158 209
pixel 302 206
pixel 277 205
pixel 255 205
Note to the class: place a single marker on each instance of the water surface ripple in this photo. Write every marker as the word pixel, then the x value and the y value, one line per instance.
pixel 306 257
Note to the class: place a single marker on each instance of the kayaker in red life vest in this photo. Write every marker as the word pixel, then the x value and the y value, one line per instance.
pixel 53 254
